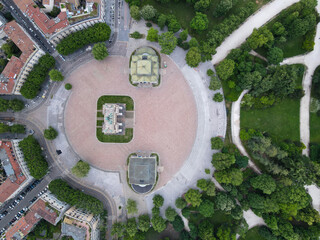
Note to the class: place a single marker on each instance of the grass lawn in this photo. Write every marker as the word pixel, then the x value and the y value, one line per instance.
pixel 168 232
pixel 184 12
pixel 314 128
pixel 280 121
pixel 217 219
pixel 116 99
pixel 253 234
pixel 115 138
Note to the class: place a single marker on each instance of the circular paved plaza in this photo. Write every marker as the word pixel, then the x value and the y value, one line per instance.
pixel 165 116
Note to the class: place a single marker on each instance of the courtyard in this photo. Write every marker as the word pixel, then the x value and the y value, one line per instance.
pixel 165 118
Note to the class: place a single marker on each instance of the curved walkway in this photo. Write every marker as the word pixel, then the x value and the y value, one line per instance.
pixel 235 130
pixel 311 61
pixel 258 19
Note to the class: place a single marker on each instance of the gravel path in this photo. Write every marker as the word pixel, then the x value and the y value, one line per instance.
pixel 235 130
pixel 258 19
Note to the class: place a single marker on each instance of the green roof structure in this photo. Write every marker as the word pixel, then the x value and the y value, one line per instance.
pixel 144 67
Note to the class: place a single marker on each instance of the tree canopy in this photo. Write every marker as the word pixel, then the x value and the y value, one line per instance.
pixel 56 75
pixel 50 133
pixel 75 197
pixel 100 51
pixel 168 42
pixel 81 169
pixel 32 152
pixel 99 32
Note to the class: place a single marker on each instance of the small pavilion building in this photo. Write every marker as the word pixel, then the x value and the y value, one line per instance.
pixel 144 66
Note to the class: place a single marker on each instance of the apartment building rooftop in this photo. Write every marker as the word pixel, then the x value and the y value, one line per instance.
pixel 15 65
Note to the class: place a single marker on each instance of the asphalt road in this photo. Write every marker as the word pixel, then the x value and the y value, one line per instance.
pixel 55 171
pixel 24 203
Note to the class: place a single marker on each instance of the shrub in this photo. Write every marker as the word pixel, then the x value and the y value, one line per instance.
pixel 149 24
pixel 218 97
pixel 136 35
pixel 216 143
pixel 210 72
pixel 68 86
pixel 50 133
pixel 132 206
pixel 158 201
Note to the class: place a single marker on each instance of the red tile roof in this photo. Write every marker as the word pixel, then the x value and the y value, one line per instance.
pixel 14 66
pixel 45 212
pixel 23 226
pixel 26 223
pixel 23 4
pixel 14 163
pixel 47 25
pixel 20 38
pixel 7 188
pixel 11 71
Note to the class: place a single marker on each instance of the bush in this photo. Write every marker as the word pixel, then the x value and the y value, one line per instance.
pixel 210 72
pixel 100 32
pixel 75 197
pixel 158 201
pixel 149 24
pixel 81 169
pixel 216 143
pixel 68 86
pixel 32 152
pixel 132 206
pixel 50 133
pixel 136 35
pixel 152 35
pixel 218 97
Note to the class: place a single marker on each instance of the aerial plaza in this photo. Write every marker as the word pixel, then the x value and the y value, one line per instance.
pixel 144 66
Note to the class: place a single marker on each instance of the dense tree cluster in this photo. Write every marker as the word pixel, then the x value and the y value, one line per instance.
pixel 14 104
pixel 75 197
pixel 16 128
pixel 100 32
pixel 32 152
pixel 36 77
pixel 266 85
